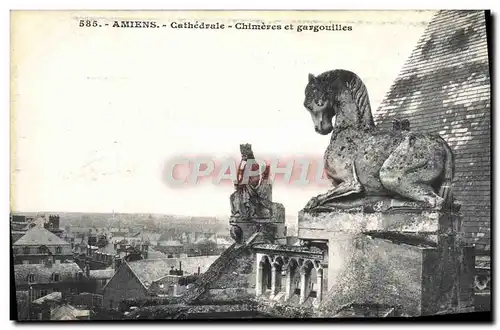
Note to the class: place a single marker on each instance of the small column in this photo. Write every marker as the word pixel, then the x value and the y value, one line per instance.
pixel 289 278
pixel 319 285
pixel 258 279
pixel 274 277
pixel 303 286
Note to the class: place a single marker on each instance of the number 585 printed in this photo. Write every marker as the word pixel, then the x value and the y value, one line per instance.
pixel 88 23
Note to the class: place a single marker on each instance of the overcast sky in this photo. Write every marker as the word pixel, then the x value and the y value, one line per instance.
pixel 96 112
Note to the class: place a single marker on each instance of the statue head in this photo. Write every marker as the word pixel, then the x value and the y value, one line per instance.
pixel 246 151
pixel 339 93
pixel 320 105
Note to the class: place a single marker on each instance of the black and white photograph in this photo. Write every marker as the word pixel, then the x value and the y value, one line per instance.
pixel 241 165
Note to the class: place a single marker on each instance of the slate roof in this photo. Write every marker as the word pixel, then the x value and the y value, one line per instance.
pixel 204 240
pixel 43 273
pixel 51 297
pixel 40 236
pixel 68 312
pixel 444 87
pixel 152 237
pixel 167 282
pixel 153 254
pixel 150 270
pixel 117 239
pixel 102 274
pixel 108 249
pixel 224 242
pixel 19 226
pixel 171 243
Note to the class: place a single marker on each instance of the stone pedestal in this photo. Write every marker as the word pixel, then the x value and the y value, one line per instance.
pixel 273 227
pixel 414 261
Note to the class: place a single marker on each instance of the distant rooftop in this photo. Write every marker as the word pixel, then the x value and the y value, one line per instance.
pixel 54 296
pixel 150 270
pixel 102 274
pixel 68 312
pixel 153 254
pixel 43 273
pixel 40 236
pixel 170 243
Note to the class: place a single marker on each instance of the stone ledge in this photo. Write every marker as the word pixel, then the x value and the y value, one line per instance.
pixel 286 248
pixel 256 220
pixel 320 225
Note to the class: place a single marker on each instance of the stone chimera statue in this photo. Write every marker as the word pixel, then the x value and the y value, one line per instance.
pixel 397 168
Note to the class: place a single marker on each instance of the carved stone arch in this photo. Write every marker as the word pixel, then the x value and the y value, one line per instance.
pixel 279 260
pixel 277 265
pixel 291 262
pixel 294 262
pixel 307 265
pixel 264 258
pixel 264 273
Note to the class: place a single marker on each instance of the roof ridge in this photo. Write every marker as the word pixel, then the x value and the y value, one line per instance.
pixel 27 238
pixel 130 268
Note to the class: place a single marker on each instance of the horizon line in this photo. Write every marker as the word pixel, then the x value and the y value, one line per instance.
pixel 134 213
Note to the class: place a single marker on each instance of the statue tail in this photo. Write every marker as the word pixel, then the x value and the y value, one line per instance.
pixel 449 171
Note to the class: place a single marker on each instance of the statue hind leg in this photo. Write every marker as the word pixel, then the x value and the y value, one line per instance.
pixel 349 186
pixel 410 171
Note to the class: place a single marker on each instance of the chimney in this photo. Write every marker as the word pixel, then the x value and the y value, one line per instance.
pixel 56 221
pixel 118 262
pixel 65 297
pixel 180 267
pixel 198 270
pixel 87 269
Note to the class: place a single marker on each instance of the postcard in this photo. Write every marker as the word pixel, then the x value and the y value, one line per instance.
pixel 250 165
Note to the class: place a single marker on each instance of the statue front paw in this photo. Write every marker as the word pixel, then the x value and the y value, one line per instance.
pixel 313 202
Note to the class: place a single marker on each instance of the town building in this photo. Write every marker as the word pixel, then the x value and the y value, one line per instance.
pixel 67 312
pixel 170 247
pixel 19 225
pixel 150 278
pixel 52 225
pixel 40 280
pixel 37 244
pixel 102 277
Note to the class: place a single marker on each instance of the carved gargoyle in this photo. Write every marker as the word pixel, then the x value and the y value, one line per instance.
pixel 252 198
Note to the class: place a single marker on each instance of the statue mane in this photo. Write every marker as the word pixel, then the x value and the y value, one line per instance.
pixel 335 82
